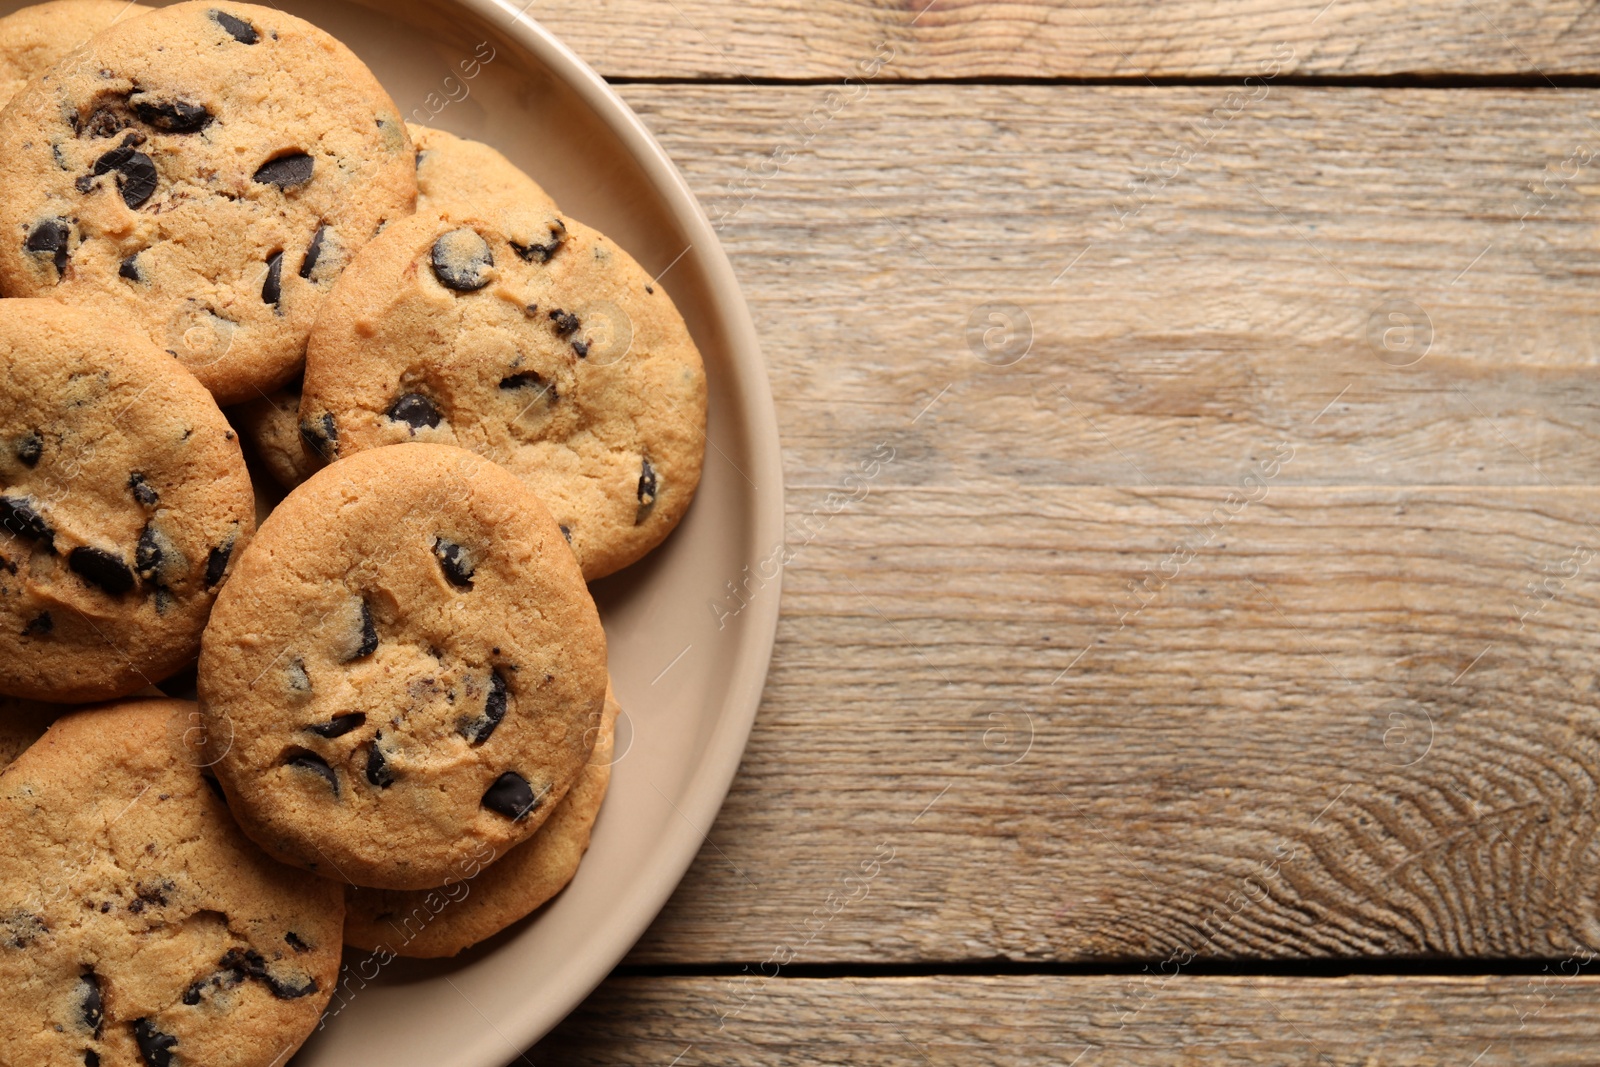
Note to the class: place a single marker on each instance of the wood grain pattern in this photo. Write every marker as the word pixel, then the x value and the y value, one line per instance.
pixel 1143 1021
pixel 731 40
pixel 1095 708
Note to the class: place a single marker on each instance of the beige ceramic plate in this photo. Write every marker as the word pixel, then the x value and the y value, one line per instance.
pixel 688 687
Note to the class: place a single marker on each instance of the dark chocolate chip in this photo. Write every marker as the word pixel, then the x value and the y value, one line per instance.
pixel 647 483
pixel 30 446
pixel 313 252
pixel 297 942
pixel 566 322
pixel 100 568
pixel 142 491
pixel 136 172
pixel 511 796
pixel 581 347
pixel 461 259
pixel 18 517
pixel 566 531
pixel 129 269
pixel 237 967
pixel 456 566
pixel 155 1048
pixel 286 172
pixel 236 27
pixel 534 252
pixel 90 1005
pixel 173 116
pixel 415 410
pixel 91 1058
pixel 339 725
pixel 650 289
pixel 272 288
pixel 39 625
pixel 494 709
pixel 321 436
pixel 310 761
pixel 369 634
pixel 217 563
pixel 147 554
pixel 53 236
pixel 378 772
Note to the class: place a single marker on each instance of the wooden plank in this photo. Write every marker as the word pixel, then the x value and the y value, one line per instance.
pixel 915 39
pixel 1142 1020
pixel 1338 726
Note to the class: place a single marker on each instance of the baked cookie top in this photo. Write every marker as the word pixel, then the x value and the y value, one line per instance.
pixel 204 171
pixel 455 172
pixel 139 926
pixel 270 426
pixel 530 339
pixel 123 499
pixel 481 903
pixel 34 38
pixel 405 670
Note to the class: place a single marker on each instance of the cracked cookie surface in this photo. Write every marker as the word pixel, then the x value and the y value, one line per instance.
pixel 123 499
pixel 139 925
pixel 407 669
pixel 530 339
pixel 205 171
pixel 480 903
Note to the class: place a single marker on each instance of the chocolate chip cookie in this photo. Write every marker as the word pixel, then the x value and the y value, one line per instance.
pixel 123 500
pixel 405 671
pixel 137 924
pixel 478 905
pixel 204 172
pixel 270 426
pixel 33 39
pixel 454 172
pixel 530 339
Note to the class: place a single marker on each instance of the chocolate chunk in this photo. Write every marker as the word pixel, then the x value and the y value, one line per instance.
pixel 91 1058
pixel 313 253
pixel 566 322
pixel 286 172
pixel 136 172
pixel 142 491
pixel 566 531
pixel 18 517
pixel 455 564
pixel 155 1048
pixel 494 709
pixel 217 563
pixel 581 347
pixel 647 483
pixel 321 436
pixel 511 796
pixel 339 725
pixel 90 1005
pixel 53 236
pixel 534 252
pixel 236 27
pixel 129 269
pixel 272 288
pixel 173 116
pixel 40 625
pixel 461 259
pixel 30 446
pixel 310 761
pixel 147 554
pixel 237 967
pixel 296 942
pixel 369 635
pixel 100 568
pixel 415 410
pixel 378 772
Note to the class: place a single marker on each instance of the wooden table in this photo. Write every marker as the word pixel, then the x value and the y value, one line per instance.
pixel 1189 413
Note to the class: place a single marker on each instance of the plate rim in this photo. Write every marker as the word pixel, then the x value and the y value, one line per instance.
pixel 724 750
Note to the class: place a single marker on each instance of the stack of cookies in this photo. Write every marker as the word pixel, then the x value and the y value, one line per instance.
pixel 223 252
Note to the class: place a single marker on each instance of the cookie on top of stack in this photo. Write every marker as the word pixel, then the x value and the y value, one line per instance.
pixel 477 405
